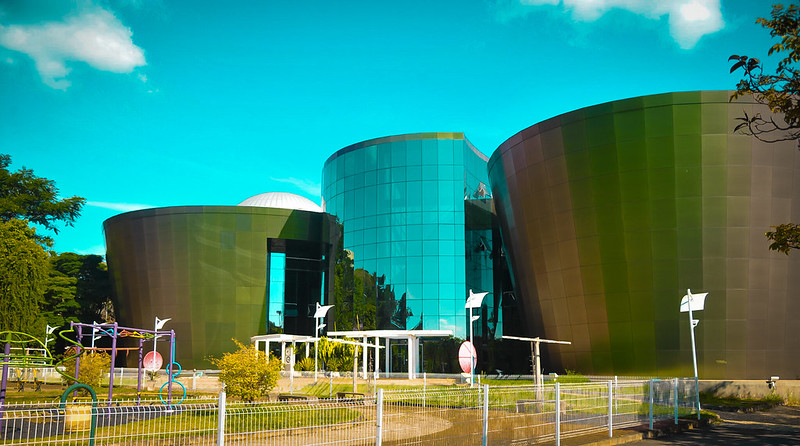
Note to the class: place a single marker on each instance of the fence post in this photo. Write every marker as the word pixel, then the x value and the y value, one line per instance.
pixel 558 414
pixel 379 418
pixel 485 414
pixel 676 399
pixel 651 404
pixel 221 418
pixel 610 409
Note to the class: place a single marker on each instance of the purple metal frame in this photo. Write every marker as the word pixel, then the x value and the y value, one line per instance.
pixel 114 330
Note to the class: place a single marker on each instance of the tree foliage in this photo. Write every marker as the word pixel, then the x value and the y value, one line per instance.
pixel 784 238
pixel 246 373
pixel 364 300
pixel 92 284
pixel 336 356
pixel 92 368
pixel 25 196
pixel 23 277
pixel 778 90
pixel 59 306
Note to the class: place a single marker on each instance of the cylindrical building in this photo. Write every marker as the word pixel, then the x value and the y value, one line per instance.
pixel 412 206
pixel 222 272
pixel 610 213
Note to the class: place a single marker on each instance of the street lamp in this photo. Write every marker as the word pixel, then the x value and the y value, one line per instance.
pixel 318 315
pixel 94 330
pixel 158 326
pixel 47 332
pixel 694 302
pixel 474 300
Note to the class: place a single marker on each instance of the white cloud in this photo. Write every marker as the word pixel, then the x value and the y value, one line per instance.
pixel 689 20
pixel 92 35
pixel 304 185
pixel 98 250
pixel 122 207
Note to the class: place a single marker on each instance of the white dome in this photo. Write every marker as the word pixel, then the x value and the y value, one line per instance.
pixel 282 200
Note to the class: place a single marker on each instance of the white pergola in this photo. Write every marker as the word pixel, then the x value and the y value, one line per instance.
pixel 411 337
pixel 283 339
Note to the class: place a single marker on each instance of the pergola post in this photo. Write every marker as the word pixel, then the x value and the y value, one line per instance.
pixel 377 357
pixel 388 355
pixel 364 355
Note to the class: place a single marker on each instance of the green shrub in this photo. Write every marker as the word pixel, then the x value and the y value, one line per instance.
pixel 337 357
pixel 304 365
pixel 92 370
pixel 247 373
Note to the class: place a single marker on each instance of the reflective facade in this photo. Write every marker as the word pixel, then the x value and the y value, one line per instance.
pixel 412 206
pixel 609 213
pixel 220 272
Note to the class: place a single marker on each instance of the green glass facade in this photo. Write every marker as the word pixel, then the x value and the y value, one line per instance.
pixel 220 272
pixel 405 202
pixel 609 213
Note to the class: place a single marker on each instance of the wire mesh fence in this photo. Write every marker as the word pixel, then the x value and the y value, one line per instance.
pixel 458 415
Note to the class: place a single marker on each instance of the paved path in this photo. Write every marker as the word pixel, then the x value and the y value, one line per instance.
pixel 777 426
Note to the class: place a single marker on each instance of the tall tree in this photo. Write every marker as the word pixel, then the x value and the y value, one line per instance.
pixel 59 307
pixel 25 196
pixel 780 91
pixel 24 267
pixel 92 285
pixel 23 277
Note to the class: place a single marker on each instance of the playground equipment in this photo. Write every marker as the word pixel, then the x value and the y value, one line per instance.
pixel 116 332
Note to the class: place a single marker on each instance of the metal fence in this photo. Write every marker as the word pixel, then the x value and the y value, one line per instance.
pixel 496 415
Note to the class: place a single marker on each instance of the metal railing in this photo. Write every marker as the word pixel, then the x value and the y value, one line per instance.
pixel 495 415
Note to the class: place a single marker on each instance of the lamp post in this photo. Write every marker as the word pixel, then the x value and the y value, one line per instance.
pixel 47 332
pixel 474 300
pixel 159 324
pixel 694 302
pixel 319 314
pixel 94 331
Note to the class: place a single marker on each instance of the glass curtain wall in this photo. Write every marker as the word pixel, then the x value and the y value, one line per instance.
pixel 401 200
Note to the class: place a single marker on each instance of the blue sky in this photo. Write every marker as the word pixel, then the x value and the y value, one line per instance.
pixel 148 103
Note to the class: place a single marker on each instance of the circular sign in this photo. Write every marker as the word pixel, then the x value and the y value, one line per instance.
pixel 152 361
pixel 467 356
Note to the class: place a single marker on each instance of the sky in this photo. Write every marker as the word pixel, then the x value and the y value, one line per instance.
pixel 136 104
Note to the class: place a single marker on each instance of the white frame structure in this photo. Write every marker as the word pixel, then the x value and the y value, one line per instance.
pixel 411 337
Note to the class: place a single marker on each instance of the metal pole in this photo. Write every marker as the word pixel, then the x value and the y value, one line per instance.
pixel 139 373
pixel 221 418
pixel 485 414
pixel 113 360
pixel 316 346
pixel 471 356
pixel 291 371
pixel 6 360
pixel 171 378
pixel 155 333
pixel 379 419
pixel 558 414
pixel 694 351
pixel 610 409
pixel 676 399
pixel 697 394
pixel 651 405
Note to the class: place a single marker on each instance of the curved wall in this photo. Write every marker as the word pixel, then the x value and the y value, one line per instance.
pixel 208 268
pixel 609 213
pixel 402 200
